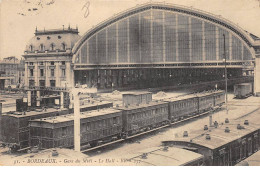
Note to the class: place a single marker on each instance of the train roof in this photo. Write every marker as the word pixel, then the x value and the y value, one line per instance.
pixel 34 113
pixel 83 115
pixel 142 105
pixel 242 84
pixel 208 93
pixel 155 156
pixel 92 102
pixel 190 96
pixel 218 136
pixel 137 93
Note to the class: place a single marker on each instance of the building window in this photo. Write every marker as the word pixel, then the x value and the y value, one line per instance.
pixel 63 62
pixel 52 47
pixel 31 48
pixel 41 72
pixel 31 72
pixel 63 46
pixel 42 83
pixel 31 63
pixel 41 63
pixel 31 83
pixel 52 63
pixel 63 72
pixel 41 47
pixel 52 83
pixel 52 72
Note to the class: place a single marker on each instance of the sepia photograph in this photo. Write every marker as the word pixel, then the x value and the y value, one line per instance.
pixel 129 83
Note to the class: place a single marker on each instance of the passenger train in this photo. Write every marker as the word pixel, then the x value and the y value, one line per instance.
pixel 105 125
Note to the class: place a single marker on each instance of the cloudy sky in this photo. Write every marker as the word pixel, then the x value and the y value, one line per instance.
pixel 19 18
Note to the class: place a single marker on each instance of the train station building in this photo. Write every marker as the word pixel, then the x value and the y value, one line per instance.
pixel 151 45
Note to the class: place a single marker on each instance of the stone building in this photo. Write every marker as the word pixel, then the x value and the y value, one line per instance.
pixel 48 58
pixel 13 70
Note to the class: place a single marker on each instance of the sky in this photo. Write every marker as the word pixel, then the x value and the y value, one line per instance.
pixel 19 18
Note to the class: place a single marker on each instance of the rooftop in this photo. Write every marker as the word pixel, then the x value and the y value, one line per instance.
pixel 90 103
pixel 83 115
pixel 34 113
pixel 218 136
pixel 190 96
pixel 132 106
pixel 155 156
pixel 137 93
pixel 56 31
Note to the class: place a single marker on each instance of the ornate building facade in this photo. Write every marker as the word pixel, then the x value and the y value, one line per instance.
pixel 48 58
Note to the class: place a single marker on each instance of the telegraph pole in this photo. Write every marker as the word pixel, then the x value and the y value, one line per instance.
pixel 225 61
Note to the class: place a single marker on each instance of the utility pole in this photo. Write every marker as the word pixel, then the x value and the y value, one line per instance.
pixel 225 60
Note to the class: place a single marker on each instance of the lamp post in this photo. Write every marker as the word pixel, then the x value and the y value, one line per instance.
pixel 225 61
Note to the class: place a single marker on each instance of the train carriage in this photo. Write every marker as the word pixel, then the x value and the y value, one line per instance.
pixel 182 107
pixel 206 101
pixel 137 118
pixel 219 97
pixel 15 126
pixel 96 126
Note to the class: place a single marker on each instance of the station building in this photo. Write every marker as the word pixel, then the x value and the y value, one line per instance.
pixel 48 57
pixel 150 45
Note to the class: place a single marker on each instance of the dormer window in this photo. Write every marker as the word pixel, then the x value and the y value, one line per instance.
pixel 41 47
pixel 52 47
pixel 63 46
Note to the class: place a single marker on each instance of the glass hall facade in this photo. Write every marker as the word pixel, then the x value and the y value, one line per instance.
pixel 155 37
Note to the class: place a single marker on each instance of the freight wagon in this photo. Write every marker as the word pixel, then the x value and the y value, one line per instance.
pixel 96 126
pixel 243 90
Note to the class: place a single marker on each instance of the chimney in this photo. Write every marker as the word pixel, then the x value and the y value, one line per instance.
pixel 226 120
pixel 144 156
pixel 227 130
pixel 165 148
pixel 208 137
pixel 246 122
pixel 185 134
pixel 206 127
